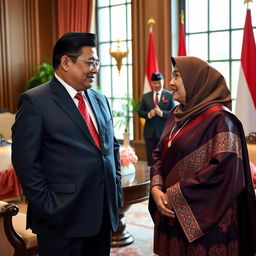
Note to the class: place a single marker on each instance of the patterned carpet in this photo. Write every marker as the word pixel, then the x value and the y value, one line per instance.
pixel 140 225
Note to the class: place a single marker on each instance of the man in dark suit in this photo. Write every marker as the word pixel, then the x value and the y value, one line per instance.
pixel 154 107
pixel 66 156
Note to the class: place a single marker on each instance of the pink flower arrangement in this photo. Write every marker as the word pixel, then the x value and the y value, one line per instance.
pixel 127 156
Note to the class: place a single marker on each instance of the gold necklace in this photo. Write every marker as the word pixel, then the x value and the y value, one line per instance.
pixel 176 133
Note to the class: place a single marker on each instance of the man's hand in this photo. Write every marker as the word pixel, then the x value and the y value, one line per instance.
pixel 161 202
pixel 158 111
pixel 152 112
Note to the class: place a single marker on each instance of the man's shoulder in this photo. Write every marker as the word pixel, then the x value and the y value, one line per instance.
pixel 147 94
pixel 38 90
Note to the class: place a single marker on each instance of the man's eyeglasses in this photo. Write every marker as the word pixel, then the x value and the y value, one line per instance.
pixel 92 63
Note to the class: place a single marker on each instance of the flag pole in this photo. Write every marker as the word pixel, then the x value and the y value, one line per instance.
pixel 182 38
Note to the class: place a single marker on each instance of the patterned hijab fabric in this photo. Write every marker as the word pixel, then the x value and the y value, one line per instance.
pixel 204 87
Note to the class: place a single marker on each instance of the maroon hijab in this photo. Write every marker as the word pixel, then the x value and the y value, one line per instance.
pixel 204 87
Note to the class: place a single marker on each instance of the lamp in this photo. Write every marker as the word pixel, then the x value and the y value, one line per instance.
pixel 118 55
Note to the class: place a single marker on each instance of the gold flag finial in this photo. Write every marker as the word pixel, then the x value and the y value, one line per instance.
pixel 182 16
pixel 247 1
pixel 151 22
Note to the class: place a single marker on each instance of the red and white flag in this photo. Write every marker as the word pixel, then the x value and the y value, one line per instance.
pixel 246 92
pixel 152 64
pixel 182 39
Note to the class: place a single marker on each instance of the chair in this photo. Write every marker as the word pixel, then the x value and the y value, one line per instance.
pixel 14 238
pixel 6 120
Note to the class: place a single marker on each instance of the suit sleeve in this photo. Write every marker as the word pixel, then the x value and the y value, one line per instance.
pixel 27 135
pixel 143 111
pixel 118 167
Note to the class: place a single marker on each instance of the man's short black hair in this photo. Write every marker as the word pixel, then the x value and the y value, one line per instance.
pixel 71 44
pixel 157 76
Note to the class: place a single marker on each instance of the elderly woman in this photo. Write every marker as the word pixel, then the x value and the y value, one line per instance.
pixel 202 199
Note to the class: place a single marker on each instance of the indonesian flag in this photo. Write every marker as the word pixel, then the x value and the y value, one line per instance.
pixel 152 64
pixel 246 92
pixel 182 40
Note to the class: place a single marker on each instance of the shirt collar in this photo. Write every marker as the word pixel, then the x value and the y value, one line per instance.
pixel 159 92
pixel 71 91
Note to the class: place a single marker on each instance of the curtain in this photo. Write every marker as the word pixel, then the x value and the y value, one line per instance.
pixel 74 15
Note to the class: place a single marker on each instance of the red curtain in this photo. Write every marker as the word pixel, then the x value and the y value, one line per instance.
pixel 74 15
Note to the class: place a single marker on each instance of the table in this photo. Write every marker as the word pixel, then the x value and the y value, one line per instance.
pixel 135 189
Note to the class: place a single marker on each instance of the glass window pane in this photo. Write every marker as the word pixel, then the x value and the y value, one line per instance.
pixel 194 41
pixel 219 8
pixel 219 45
pixel 129 22
pixel 129 57
pixel 119 82
pixel 130 81
pixel 105 80
pixel 103 26
pixel 118 22
pixel 119 114
pixel 223 68
pixel 113 2
pixel 104 55
pixel 238 11
pixel 194 21
pixel 234 77
pixel 253 13
pixel 101 3
pixel 236 47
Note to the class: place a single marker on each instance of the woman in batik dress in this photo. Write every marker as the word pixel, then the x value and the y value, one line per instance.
pixel 202 199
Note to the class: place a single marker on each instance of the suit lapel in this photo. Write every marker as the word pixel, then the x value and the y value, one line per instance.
pixel 95 103
pixel 63 99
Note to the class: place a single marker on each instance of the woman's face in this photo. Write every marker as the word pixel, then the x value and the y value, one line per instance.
pixel 177 87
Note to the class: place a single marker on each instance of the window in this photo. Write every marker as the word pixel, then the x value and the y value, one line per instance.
pixel 214 32
pixel 114 23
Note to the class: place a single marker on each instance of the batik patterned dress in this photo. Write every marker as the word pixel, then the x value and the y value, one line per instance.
pixel 203 169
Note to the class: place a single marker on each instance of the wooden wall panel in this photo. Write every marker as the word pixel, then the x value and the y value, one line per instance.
pixel 26 36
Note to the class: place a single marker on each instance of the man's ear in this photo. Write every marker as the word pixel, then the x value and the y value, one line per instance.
pixel 65 62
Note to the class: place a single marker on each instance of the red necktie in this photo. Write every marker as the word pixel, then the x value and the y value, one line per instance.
pixel 82 108
pixel 156 99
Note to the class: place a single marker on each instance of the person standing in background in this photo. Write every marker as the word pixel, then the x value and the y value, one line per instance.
pixel 154 107
pixel 67 157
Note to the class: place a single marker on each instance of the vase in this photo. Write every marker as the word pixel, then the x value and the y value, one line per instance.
pixel 126 141
pixel 127 169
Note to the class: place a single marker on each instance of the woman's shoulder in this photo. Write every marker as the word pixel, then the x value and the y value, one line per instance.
pixel 225 120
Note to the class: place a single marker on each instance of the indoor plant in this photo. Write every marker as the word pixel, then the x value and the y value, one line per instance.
pixel 42 74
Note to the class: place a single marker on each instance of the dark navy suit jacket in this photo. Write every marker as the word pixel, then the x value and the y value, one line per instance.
pixel 155 124
pixel 65 177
